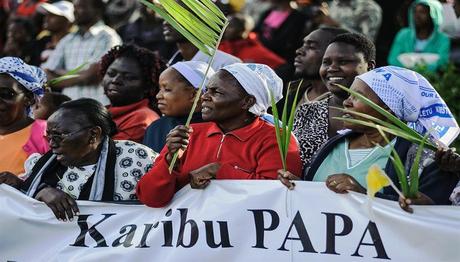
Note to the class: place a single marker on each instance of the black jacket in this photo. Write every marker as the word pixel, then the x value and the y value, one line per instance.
pixel 433 182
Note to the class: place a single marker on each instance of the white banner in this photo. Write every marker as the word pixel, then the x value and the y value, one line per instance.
pixel 231 221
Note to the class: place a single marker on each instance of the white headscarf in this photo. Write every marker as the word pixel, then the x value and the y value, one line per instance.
pixel 258 80
pixel 413 99
pixel 194 72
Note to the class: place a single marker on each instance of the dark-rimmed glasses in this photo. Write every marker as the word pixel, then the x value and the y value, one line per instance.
pixel 58 138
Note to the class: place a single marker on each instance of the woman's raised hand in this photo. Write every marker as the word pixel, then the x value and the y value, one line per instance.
pixel 176 140
pixel 63 205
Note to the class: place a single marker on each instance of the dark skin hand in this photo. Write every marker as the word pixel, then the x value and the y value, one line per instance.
pixel 285 177
pixel 201 177
pixel 177 140
pixel 448 160
pixel 421 199
pixel 62 204
pixel 342 183
pixel 10 179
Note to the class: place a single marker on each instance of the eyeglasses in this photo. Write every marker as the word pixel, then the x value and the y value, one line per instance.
pixel 7 94
pixel 58 138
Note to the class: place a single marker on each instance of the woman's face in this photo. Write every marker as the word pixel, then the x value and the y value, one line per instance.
pixel 341 64
pixel 13 101
pixel 42 109
pixel 175 97
pixel 223 100
pixel 72 139
pixel 124 83
pixel 354 104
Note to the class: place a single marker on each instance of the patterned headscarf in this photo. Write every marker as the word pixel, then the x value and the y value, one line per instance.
pixel 31 77
pixel 258 80
pixel 414 100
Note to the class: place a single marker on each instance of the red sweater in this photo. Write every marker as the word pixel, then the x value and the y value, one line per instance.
pixel 132 120
pixel 251 50
pixel 250 152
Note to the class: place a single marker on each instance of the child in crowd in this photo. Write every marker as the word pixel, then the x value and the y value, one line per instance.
pixel 48 104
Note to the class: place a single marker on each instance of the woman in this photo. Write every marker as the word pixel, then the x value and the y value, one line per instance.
pixel 21 85
pixel 344 161
pixel 84 163
pixel 178 87
pixel 422 36
pixel 347 56
pixel 236 144
pixel 131 83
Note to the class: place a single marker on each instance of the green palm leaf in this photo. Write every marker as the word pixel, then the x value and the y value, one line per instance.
pixel 201 23
pixel 413 174
pixel 393 119
pixel 278 130
pixel 398 165
pixel 283 133
pixel 73 73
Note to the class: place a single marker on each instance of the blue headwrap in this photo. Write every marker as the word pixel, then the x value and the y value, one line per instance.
pixel 31 77
pixel 413 99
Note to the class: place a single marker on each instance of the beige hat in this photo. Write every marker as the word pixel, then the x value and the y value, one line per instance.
pixel 61 8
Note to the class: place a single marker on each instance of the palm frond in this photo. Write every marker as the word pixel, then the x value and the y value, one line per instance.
pixel 398 165
pixel 73 73
pixel 200 22
pixel 413 173
pixel 283 133
pixel 390 117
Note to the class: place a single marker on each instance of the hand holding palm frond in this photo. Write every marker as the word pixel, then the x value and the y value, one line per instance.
pixel 202 23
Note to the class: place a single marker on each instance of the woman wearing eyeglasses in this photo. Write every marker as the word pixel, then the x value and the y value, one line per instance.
pixel 84 163
pixel 21 85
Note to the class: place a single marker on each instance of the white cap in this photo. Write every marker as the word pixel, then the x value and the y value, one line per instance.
pixel 61 8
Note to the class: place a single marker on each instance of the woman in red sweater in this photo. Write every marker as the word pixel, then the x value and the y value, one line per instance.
pixel 236 143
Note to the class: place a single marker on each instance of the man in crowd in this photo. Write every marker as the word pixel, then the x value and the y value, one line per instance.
pixel 307 63
pixel 86 46
pixel 59 18
pixel 188 52
pixel 360 16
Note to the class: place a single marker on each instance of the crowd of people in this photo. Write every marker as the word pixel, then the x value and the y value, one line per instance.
pixel 110 130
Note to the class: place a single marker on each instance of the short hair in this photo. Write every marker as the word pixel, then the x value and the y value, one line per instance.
pixel 334 31
pixel 150 63
pixel 26 23
pixel 361 43
pixel 55 99
pixel 95 113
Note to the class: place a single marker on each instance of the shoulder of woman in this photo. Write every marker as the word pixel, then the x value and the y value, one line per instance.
pixel 133 149
pixel 29 164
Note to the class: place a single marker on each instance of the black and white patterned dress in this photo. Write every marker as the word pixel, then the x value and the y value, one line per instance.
pixel 133 161
pixel 311 125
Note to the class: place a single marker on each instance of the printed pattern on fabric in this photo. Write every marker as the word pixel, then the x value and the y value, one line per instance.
pixel 133 161
pixel 311 124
